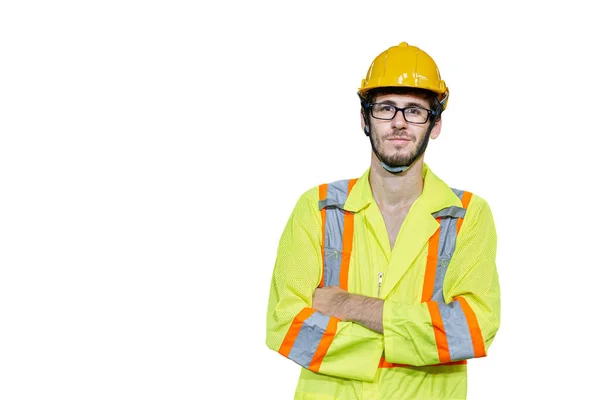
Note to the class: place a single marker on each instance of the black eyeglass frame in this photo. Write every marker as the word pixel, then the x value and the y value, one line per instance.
pixel 430 113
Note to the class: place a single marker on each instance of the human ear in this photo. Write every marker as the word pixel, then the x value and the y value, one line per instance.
pixel 363 124
pixel 437 128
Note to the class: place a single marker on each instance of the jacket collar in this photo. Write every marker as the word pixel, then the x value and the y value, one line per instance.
pixel 436 194
pixel 417 228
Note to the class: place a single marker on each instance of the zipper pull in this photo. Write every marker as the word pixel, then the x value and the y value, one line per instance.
pixel 379 284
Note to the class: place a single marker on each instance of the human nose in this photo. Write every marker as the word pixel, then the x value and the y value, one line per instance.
pixel 399 120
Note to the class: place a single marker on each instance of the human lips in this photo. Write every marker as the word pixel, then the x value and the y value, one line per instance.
pixel 398 138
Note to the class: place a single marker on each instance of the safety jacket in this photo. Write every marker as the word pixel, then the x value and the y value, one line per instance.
pixel 439 284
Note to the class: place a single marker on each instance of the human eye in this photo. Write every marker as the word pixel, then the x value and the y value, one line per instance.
pixel 385 108
pixel 417 111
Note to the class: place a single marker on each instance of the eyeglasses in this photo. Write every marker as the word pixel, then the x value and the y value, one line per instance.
pixel 413 114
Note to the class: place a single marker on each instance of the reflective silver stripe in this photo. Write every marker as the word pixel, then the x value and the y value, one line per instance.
pixel 459 193
pixel 446 248
pixel 455 323
pixel 452 211
pixel 458 335
pixel 337 193
pixel 447 239
pixel 308 339
pixel 329 203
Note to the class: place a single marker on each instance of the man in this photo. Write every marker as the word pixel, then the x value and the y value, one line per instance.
pixel 385 285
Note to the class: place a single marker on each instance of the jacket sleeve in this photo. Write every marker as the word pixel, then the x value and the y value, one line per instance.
pixel 315 341
pixel 464 324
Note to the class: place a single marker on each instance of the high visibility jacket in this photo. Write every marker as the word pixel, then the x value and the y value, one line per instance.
pixel 439 284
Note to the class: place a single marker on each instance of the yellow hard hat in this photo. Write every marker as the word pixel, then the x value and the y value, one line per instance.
pixel 405 66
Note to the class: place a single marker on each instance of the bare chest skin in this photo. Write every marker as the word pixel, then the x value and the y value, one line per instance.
pixel 393 223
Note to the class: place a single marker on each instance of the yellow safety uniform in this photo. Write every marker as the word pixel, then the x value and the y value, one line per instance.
pixel 439 284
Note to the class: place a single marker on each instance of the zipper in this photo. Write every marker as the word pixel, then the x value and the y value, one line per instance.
pixel 379 284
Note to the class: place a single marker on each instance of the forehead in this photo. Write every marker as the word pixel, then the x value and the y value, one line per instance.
pixel 402 99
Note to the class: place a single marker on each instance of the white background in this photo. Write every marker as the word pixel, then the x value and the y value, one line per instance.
pixel 151 152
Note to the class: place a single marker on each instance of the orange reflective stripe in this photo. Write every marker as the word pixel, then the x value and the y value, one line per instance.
pixel 347 242
pixel 323 196
pixel 290 337
pixel 347 233
pixel 346 248
pixel 476 337
pixel 434 311
pixel 466 199
pixel 430 269
pixel 351 184
pixel 384 364
pixel 347 237
pixel 440 333
pixel 324 344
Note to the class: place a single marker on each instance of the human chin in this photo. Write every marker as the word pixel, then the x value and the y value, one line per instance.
pixel 395 156
pixel 397 160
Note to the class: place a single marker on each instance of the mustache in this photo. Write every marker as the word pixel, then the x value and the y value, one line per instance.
pixel 397 136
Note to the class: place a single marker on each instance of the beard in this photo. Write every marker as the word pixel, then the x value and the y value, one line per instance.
pixel 396 160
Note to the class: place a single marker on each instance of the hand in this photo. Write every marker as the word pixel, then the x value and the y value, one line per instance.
pixel 329 300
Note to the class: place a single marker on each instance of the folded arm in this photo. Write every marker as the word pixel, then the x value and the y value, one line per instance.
pixel 316 341
pixel 460 321
pixel 458 326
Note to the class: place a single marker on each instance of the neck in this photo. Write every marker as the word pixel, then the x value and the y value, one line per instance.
pixel 392 191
